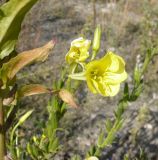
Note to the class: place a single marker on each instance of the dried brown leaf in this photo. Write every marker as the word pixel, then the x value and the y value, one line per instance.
pixel 67 97
pixel 32 89
pixel 10 68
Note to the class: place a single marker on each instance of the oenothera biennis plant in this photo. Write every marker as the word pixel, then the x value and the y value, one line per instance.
pixel 103 76
pixel 11 92
pixel 12 14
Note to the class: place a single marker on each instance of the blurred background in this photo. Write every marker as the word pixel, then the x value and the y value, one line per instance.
pixel 128 27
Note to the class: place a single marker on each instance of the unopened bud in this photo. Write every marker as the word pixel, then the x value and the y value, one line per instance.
pixel 96 40
pixel 25 116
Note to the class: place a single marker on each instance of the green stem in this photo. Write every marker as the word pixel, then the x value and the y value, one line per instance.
pixel 2 133
pixel 98 152
pixel 94 53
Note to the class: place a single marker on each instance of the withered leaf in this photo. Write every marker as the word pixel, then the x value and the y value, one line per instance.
pixel 9 69
pixel 67 97
pixel 32 89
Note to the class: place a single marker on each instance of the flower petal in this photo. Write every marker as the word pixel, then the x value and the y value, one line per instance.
pixel 116 63
pixel 99 87
pixel 92 158
pixel 112 90
pixel 91 86
pixel 78 51
pixel 77 42
pixel 106 90
pixel 113 78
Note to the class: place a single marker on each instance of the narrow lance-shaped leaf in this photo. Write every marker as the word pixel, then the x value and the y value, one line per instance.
pixel 101 139
pixel 32 89
pixel 12 14
pixel 22 119
pixel 9 69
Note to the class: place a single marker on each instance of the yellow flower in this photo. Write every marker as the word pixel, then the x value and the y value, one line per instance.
pixel 92 158
pixel 78 51
pixel 104 76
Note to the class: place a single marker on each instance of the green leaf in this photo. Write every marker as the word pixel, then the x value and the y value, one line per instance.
pixel 100 139
pixel 54 145
pixel 126 91
pixel 21 120
pixel 91 151
pixel 12 14
pixel 137 75
pixel 35 151
pixel 108 125
pixel 119 125
pixel 7 48
pixel 126 157
pixel 76 157
pixel 30 150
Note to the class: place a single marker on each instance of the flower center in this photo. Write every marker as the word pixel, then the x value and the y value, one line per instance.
pixel 75 55
pixel 95 74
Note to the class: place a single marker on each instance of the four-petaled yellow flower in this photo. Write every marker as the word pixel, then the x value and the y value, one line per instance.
pixel 78 52
pixel 104 76
pixel 92 158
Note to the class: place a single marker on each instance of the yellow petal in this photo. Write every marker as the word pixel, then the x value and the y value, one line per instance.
pixel 114 63
pixel 106 90
pixel 77 42
pixel 116 70
pixel 91 86
pixel 84 54
pixel 113 78
pixel 78 51
pixel 112 90
pixel 99 87
pixel 92 158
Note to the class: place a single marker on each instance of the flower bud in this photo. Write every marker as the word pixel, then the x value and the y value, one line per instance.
pixel 25 116
pixel 79 51
pixel 96 40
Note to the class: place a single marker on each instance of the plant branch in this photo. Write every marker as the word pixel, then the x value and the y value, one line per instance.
pixel 2 133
